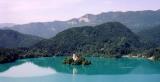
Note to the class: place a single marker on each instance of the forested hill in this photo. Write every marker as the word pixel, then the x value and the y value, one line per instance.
pixel 151 35
pixel 108 38
pixel 14 39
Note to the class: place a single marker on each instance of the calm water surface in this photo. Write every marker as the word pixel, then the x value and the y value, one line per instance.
pixel 101 70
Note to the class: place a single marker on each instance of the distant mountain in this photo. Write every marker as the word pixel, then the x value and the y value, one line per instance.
pixel 151 35
pixel 45 30
pixel 135 20
pixel 2 25
pixel 13 39
pixel 108 38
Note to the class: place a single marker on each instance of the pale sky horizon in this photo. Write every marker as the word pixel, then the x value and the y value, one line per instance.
pixel 26 11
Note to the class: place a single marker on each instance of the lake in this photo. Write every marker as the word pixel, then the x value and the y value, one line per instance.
pixel 101 70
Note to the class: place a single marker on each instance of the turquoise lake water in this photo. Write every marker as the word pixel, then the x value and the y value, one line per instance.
pixel 101 70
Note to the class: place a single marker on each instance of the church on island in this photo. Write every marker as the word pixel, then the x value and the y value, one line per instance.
pixel 75 57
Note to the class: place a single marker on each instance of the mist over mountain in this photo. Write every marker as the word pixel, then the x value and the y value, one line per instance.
pixel 134 20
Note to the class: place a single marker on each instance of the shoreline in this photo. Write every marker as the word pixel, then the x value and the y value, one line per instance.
pixel 152 58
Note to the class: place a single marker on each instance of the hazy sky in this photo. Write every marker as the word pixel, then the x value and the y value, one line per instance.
pixel 25 11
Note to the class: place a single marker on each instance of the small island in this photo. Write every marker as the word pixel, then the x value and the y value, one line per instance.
pixel 76 60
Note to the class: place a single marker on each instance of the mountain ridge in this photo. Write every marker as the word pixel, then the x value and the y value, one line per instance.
pixel 134 20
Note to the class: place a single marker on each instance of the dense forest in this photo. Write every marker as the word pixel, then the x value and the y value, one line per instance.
pixel 151 35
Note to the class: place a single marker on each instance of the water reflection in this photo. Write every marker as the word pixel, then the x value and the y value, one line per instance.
pixel 99 66
pixel 75 71
pixel 27 69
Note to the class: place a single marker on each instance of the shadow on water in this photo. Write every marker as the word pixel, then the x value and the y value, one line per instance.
pixel 99 66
